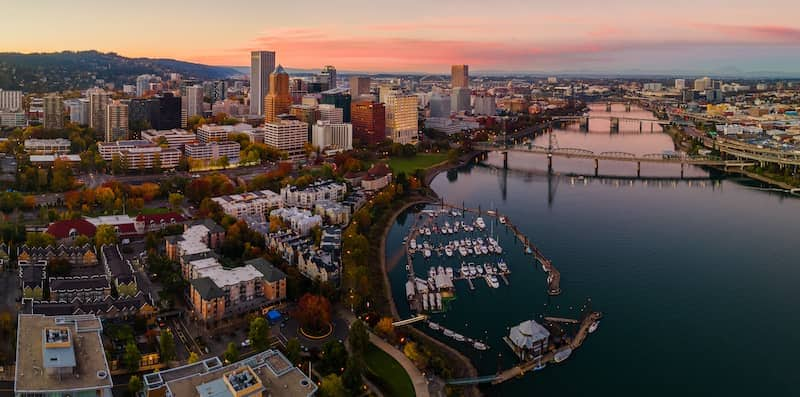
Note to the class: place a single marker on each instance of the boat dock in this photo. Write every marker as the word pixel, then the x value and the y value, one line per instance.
pixel 475 343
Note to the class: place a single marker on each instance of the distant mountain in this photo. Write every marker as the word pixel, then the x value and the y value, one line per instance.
pixel 68 70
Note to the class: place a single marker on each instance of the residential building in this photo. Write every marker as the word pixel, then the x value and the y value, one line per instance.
pixel 680 84
pixel 340 98
pixel 652 87
pixel 307 197
pixel 332 212
pixel 305 113
pixel 10 100
pixel 119 270
pixel 98 108
pixel 140 154
pixel 47 146
pixel 402 118
pixel 268 373
pixel 79 111
pixel 143 84
pixel 61 356
pixel 278 101
pixel 330 113
pixel 439 105
pixel 110 308
pixel 213 151
pixel 386 89
pixel 262 63
pixel 215 90
pixel 298 220
pixel 83 256
pixel 53 112
pixel 378 177
pixel 287 135
pixel 169 112
pixel 338 136
pixel 199 237
pixel 174 139
pixel 79 287
pixel 485 105
pixel 369 122
pixel 251 204
pixel 13 119
pixel 192 101
pixel 359 86
pixel 328 75
pixel 116 121
pixel 703 84
pixel 459 100
pixel 213 133
pixel 143 113
pixel 459 76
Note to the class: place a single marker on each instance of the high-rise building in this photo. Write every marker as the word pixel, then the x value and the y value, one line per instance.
pixel 169 112
pixel 703 84
pixel 340 98
pixel 680 84
pixel 369 122
pixel 78 111
pixel 401 118
pixel 278 100
pixel 53 111
pixel 332 135
pixel 143 84
pixel 330 113
pixel 262 63
pixel 193 101
pixel 329 74
pixel 459 99
pixel 142 113
pixel 359 86
pixel 485 105
pixel 98 106
pixel 386 89
pixel 10 100
pixel 116 122
pixel 305 113
pixel 289 136
pixel 215 90
pixel 440 105
pixel 459 76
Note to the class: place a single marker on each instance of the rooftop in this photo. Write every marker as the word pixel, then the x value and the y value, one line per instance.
pixel 42 343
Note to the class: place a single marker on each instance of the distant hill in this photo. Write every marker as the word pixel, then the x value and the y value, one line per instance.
pixel 68 70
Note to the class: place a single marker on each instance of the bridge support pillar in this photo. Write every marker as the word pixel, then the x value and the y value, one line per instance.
pixel 638 169
pixel 651 126
pixel 628 107
pixel 549 163
pixel 640 126
pixel 682 167
pixel 505 159
pixel 608 106
pixel 596 167
pixel 614 124
pixel 584 124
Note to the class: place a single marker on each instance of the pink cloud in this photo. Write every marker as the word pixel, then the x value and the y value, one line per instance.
pixel 755 33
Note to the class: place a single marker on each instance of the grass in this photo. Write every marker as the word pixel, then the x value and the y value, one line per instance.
pixel 387 373
pixel 411 164
pixel 149 211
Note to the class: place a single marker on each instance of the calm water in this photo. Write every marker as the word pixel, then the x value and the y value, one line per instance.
pixel 697 279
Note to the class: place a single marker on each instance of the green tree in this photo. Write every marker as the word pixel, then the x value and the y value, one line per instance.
pixel 81 240
pixel 259 333
pixel 135 385
pixel 293 350
pixel 358 338
pixel 352 373
pixel 193 358
pixel 33 239
pixel 332 386
pixel 167 345
pixel 334 357
pixel 116 164
pixel 131 357
pixel 416 355
pixel 175 200
pixel 105 235
pixel 231 353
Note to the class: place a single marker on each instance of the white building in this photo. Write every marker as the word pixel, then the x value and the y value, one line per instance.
pixel 335 213
pixel 485 105
pixel 47 146
pixel 143 84
pixel 289 136
pixel 680 84
pixel 250 204
pixel 212 132
pixel 331 113
pixel 139 154
pixel 78 110
pixel 401 118
pixel 193 101
pixel 329 135
pixel 214 151
pixel 299 220
pixel 175 138
pixel 306 198
pixel 116 122
pixel 653 87
pixel 10 100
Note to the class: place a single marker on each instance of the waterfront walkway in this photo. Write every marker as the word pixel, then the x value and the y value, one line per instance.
pixel 417 379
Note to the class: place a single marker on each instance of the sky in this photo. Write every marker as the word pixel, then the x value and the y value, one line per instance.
pixel 426 36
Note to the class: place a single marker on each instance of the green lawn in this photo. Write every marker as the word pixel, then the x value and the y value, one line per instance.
pixel 387 373
pixel 411 164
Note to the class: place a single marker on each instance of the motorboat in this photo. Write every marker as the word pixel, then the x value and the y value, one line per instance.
pixel 449 272
pixel 434 326
pixel 503 220
pixel 594 326
pixel 448 333
pixel 464 270
pixel 448 251
pixel 459 337
pixel 472 271
pixel 493 282
pixel 440 270
pixel 488 268
pixel 431 272
pixel 425 302
pixel 562 355
pixel 479 269
pixel 413 244
pixel 480 346
pixel 498 249
pixel 427 253
pixel 484 250
pixel 491 249
pixel 502 266
pixel 480 223
pixel 492 241
pixel 462 251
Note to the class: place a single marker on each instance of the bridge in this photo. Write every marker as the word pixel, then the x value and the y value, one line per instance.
pixel 743 150
pixel 579 153
pixel 614 121
pixel 409 321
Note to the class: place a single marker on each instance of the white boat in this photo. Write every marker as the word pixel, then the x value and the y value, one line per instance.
pixel 468 242
pixel 470 251
pixel 425 302
pixel 594 326
pixel 462 251
pixel 503 220
pixel 427 253
pixel 459 337
pixel 427 231
pixel 492 241
pixel 502 265
pixel 432 297
pixel 484 250
pixel 431 272
pixel 493 282
pixel 487 268
pixel 539 366
pixel 449 272
pixel 498 249
pixel 448 333
pixel 464 270
pixel 472 271
pixel 480 346
pixel 490 248
pixel 562 355
pixel 448 251
pixel 440 270
pixel 434 326
pixel 438 301
pixel 480 223
pixel 413 244
pixel 479 269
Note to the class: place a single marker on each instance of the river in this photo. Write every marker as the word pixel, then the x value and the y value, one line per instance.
pixel 697 279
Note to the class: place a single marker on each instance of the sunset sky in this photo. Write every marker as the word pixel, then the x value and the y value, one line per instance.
pixel 425 36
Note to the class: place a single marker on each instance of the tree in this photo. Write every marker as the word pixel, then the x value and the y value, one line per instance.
pixel 259 333
pixel 334 357
pixel 414 354
pixel 6 322
pixel 166 344
pixel 175 200
pixel 116 164
pixel 231 353
pixel 58 267
pixel 135 385
pixel 33 239
pixel 80 241
pixel 293 350
pixel 131 357
pixel 353 371
pixel 193 358
pixel 332 386
pixel 105 235
pixel 358 338
pixel 313 312
pixel 385 327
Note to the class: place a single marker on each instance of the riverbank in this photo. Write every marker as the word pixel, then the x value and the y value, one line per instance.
pixel 762 178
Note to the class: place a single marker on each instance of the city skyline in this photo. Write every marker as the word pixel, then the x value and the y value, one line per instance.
pixel 617 36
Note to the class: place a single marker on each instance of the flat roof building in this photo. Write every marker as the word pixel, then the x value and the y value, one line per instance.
pixel 287 135
pixel 47 146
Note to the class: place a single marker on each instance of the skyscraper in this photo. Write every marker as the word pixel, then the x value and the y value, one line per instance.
pixel 143 84
pixel 262 63
pixel 10 100
pixel 116 122
pixel 193 102
pixel 329 74
pixel 440 105
pixel 279 99
pixel 53 112
pixel 459 99
pixel 169 112
pixel 98 104
pixel 459 76
pixel 359 86
pixel 369 122
pixel 401 118
pixel 340 98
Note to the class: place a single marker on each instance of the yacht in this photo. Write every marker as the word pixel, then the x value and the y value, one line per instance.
pixel 449 272
pixel 470 251
pixel 498 249
pixel 480 346
pixel 427 231
pixel 427 253
pixel 480 223
pixel 448 333
pixel 484 250
pixel 425 302
pixel 502 265
pixel 462 251
pixel 488 268
pixel 594 326
pixel 472 271
pixel 459 337
pixel 464 270
pixel 413 244
pixel 440 270
pixel 431 272
pixel 434 326
pixel 448 251
pixel 503 220
pixel 492 241
pixel 562 355
pixel 468 243
pixel 493 282
pixel 491 249
pixel 479 269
